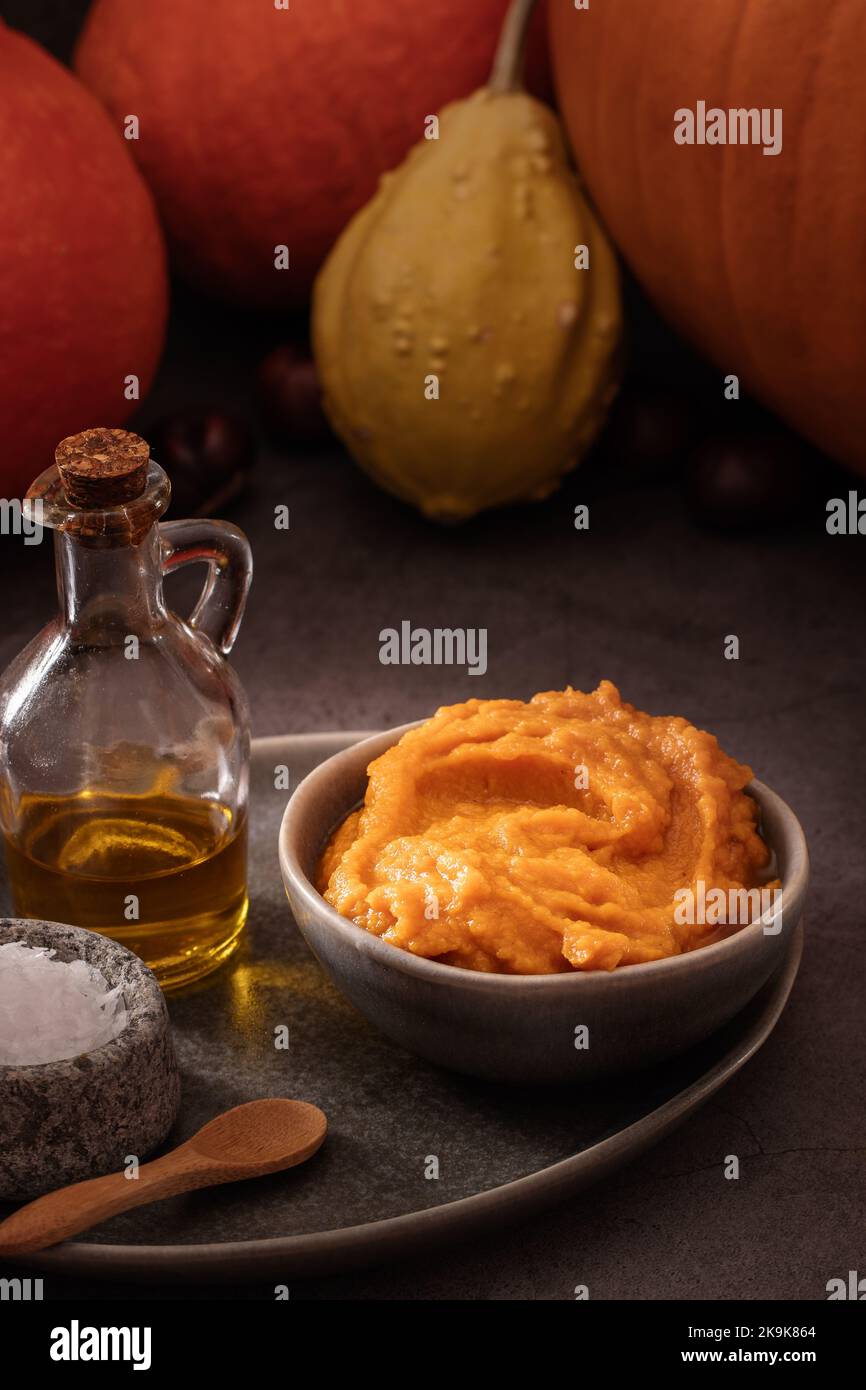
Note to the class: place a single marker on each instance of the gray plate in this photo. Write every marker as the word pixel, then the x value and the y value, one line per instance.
pixel 503 1152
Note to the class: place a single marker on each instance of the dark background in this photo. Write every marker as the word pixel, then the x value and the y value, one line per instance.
pixel 646 598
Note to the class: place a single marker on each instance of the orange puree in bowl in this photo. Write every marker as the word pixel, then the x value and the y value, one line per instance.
pixel 544 837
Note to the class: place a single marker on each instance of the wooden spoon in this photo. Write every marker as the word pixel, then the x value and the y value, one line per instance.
pixel 263 1136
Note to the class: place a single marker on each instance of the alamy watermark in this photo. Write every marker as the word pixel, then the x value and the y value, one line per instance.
pixel 737 125
pixel 19 518
pixel 437 646
pixel 77 1343
pixel 731 907
pixel 847 516
pixel 19 1290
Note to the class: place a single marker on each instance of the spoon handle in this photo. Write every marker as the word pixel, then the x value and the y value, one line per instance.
pixel 69 1210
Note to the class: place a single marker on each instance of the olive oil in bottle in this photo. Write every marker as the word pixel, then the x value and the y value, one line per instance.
pixel 163 874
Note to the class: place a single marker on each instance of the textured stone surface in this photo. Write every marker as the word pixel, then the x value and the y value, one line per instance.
pixel 645 598
pixel 388 1112
pixel 61 1122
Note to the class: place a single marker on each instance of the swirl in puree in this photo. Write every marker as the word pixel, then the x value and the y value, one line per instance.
pixel 544 837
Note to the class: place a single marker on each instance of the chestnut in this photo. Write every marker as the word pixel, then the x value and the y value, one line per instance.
pixel 206 454
pixel 291 397
pixel 737 482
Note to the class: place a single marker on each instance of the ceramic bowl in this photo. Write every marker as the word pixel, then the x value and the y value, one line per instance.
pixel 521 1028
pixel 62 1122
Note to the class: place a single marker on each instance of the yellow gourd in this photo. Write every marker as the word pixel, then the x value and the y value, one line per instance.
pixel 466 324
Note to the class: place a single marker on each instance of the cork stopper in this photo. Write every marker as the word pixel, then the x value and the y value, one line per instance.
pixel 102 467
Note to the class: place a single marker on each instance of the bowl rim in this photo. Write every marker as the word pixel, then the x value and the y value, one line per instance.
pixel 295 880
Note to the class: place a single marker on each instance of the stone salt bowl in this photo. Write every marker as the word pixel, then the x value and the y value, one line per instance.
pixel 62 1122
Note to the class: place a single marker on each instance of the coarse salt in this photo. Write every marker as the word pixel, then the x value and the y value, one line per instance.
pixel 51 1009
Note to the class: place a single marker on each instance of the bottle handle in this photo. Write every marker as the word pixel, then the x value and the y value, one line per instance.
pixel 226 552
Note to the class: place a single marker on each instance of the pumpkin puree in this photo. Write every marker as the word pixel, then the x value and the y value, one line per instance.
pixel 544 837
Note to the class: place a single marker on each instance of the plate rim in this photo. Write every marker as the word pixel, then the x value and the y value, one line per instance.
pixel 328 1252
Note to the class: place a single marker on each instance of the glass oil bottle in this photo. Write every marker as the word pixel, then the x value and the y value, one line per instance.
pixel 124 733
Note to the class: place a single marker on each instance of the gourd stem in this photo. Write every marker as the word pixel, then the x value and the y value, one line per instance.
pixel 507 72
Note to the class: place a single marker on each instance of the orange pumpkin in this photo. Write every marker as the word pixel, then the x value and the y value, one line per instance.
pixel 263 127
pixel 83 286
pixel 760 261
